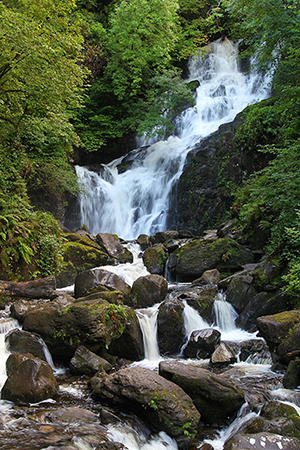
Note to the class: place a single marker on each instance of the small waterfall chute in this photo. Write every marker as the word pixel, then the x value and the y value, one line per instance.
pixel 192 319
pixel 225 314
pixel 148 322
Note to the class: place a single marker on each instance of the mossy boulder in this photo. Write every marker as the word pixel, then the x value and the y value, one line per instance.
pixel 148 290
pixel 112 245
pixel 93 323
pixel 282 333
pixel 216 398
pixel 277 417
pixel 155 259
pixel 193 259
pixel 170 327
pixel 80 253
pixel 291 379
pixel 164 404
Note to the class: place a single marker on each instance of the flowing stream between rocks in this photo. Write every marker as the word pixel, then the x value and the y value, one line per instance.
pixel 128 197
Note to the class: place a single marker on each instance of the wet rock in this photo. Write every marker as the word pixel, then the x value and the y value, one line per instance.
pixel 31 381
pixel 112 245
pixel 276 417
pixel 79 254
pixel 93 323
pixel 170 327
pixel 88 363
pixel 201 298
pixel 209 277
pixel 97 280
pixel 19 308
pixel 130 344
pixel 162 236
pixel 240 291
pixel 155 258
pixel 144 241
pixel 282 333
pixel 291 379
pixel 262 441
pixel 216 398
pixel 21 341
pixel 254 350
pixel 224 354
pixel 148 290
pixel 164 404
pixel 39 288
pixel 193 259
pixel 264 303
pixel 73 414
pixel 202 343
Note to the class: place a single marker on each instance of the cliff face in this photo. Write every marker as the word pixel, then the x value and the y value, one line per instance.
pixel 213 171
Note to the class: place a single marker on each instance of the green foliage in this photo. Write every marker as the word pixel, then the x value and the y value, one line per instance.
pixel 29 240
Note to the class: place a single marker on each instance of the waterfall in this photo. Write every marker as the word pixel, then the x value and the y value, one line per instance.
pixel 192 319
pixel 225 314
pixel 6 324
pixel 135 200
pixel 148 322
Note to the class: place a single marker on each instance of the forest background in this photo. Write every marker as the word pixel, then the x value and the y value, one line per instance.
pixel 78 79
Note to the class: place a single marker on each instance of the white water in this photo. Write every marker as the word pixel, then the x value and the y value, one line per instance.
pixel 192 320
pixel 130 272
pixel 136 201
pixel 136 440
pixel 6 324
pixel 148 322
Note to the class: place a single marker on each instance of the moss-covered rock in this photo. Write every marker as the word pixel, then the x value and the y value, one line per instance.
pixel 291 379
pixel 282 333
pixel 148 290
pixel 193 259
pixel 277 417
pixel 216 398
pixel 164 404
pixel 93 323
pixel 98 280
pixel 155 259
pixel 80 253
pixel 112 245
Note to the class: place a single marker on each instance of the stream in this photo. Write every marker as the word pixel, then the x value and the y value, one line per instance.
pixel 128 197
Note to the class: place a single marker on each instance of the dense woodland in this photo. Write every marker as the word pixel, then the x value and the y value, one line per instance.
pixel 81 78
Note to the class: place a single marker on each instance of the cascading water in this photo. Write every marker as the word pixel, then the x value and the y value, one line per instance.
pixel 224 313
pixel 136 200
pixel 148 322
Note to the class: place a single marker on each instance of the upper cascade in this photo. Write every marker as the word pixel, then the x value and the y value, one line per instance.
pixel 136 200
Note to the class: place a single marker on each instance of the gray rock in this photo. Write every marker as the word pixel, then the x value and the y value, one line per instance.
pixel 148 290
pixel 262 441
pixel 99 279
pixel 21 341
pixel 112 245
pixel 88 363
pixel 30 380
pixel 202 343
pixel 170 327
pixel 216 398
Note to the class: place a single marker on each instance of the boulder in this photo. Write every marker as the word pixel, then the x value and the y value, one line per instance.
pixel 112 245
pixel 170 327
pixel 164 404
pixel 144 241
pixel 254 350
pixel 240 291
pixel 79 254
pixel 98 280
pixel 262 441
pixel 263 303
pixel 148 290
pixel 155 259
pixel 291 379
pixel 162 236
pixel 224 354
pixel 88 363
pixel 130 344
pixel 216 398
pixel 39 288
pixel 209 277
pixel 31 381
pixel 193 259
pixel 276 417
pixel 202 343
pixel 21 341
pixel 93 323
pixel 282 332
